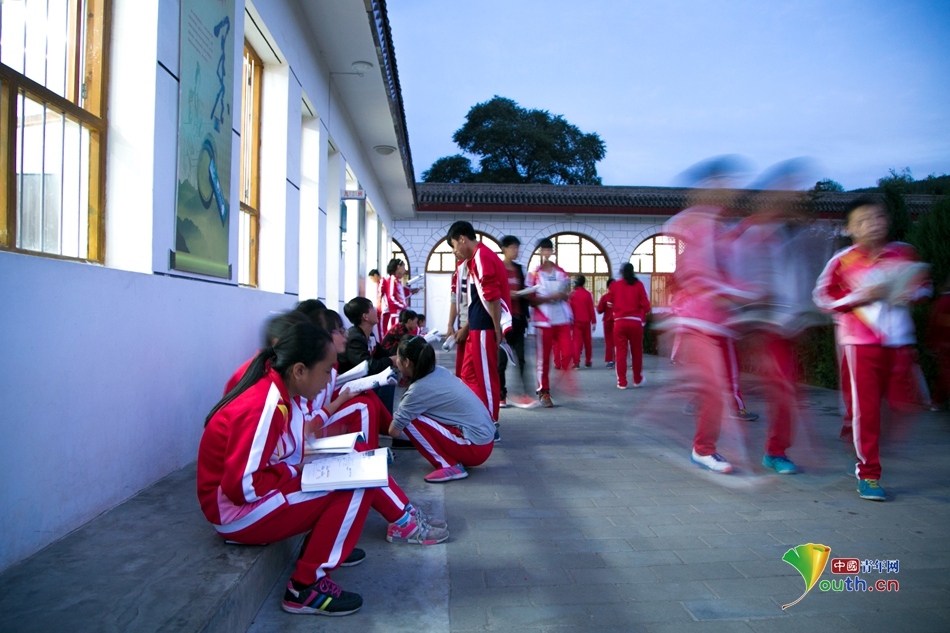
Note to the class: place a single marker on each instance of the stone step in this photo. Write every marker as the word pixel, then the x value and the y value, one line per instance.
pixel 152 563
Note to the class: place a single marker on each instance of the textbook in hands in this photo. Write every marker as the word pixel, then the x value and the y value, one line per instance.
pixel 345 443
pixel 346 472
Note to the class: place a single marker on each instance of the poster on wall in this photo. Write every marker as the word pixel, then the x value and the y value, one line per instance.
pixel 204 138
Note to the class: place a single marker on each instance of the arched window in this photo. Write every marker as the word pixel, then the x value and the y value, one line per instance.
pixel 657 257
pixel 400 253
pixel 441 259
pixel 579 255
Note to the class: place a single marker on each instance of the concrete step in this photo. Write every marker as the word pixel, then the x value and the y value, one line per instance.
pixel 152 563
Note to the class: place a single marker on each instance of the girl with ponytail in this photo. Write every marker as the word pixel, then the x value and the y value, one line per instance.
pixel 630 307
pixel 249 470
pixel 440 414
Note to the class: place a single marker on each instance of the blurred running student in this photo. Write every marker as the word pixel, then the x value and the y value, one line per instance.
pixel 868 287
pixel 249 479
pixel 604 308
pixel 445 421
pixel 408 324
pixel 585 320
pixel 489 313
pixel 630 305
pixel 551 315
pixel 339 411
pixel 510 249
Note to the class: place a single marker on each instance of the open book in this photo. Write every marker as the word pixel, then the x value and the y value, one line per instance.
pixel 346 472
pixel 334 444
pixel 433 337
pixel 385 377
pixel 357 372
pixel 414 280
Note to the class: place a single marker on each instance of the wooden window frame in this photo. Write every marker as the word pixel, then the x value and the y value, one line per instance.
pixel 93 115
pixel 250 193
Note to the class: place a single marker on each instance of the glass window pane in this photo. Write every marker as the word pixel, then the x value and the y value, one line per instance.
pixel 645 247
pixel 601 266
pixel 665 257
pixel 568 257
pixel 567 238
pixel 85 157
pixel 35 66
pixel 589 248
pixel 56 53
pixel 12 33
pixel 587 264
pixel 30 146
pixel 52 181
pixel 72 169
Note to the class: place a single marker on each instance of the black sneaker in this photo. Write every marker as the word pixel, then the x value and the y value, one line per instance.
pixel 356 557
pixel 323 597
pixel 401 444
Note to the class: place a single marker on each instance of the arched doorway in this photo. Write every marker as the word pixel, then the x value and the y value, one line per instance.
pixel 439 268
pixel 580 255
pixel 400 253
pixel 654 260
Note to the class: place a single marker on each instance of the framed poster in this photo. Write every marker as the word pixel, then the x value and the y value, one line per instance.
pixel 204 138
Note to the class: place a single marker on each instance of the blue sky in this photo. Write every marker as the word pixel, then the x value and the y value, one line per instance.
pixel 860 86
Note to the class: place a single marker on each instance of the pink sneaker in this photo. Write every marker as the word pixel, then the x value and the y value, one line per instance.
pixel 447 474
pixel 418 531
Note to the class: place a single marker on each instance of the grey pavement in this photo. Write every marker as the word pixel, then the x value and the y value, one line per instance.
pixel 589 516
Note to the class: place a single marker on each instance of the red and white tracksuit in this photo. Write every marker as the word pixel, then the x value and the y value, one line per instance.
pixel 393 302
pixel 630 308
pixel 364 414
pixel 552 322
pixel 582 306
pixel 703 300
pixel 604 308
pixel 876 338
pixel 249 482
pixel 444 445
pixel 460 299
pixel 487 282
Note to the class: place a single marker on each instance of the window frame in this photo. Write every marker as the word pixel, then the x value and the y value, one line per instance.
pixel 481 236
pixel 93 116
pixel 251 182
pixel 662 285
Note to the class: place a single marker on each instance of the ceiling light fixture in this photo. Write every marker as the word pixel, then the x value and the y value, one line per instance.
pixel 361 67
pixel 384 150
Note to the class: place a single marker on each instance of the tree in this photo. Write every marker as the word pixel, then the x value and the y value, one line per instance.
pixel 455 168
pixel 516 145
pixel 894 187
pixel 828 185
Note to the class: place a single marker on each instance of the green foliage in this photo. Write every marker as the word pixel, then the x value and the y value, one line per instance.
pixel 828 185
pixel 817 357
pixel 516 145
pixel 931 237
pixel 455 168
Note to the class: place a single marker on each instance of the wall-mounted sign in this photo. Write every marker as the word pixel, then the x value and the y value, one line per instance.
pixel 354 194
pixel 204 138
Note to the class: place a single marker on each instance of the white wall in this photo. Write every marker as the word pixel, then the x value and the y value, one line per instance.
pixel 107 377
pixel 617 235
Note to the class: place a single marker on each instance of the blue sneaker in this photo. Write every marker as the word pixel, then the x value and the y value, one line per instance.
pixel 780 464
pixel 870 489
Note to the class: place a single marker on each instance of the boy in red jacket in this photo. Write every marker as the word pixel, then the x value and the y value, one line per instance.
pixel 868 287
pixel 582 305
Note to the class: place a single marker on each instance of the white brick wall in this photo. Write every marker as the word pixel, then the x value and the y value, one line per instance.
pixel 617 235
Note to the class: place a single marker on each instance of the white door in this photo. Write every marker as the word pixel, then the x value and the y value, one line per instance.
pixel 438 299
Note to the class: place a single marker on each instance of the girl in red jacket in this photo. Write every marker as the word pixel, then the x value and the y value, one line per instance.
pixel 249 480
pixel 630 304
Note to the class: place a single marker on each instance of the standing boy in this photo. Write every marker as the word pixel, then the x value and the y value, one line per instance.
pixel 489 314
pixel 551 315
pixel 868 287
pixel 582 305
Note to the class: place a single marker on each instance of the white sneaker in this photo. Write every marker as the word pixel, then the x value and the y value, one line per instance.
pixel 619 386
pixel 642 382
pixel 715 462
